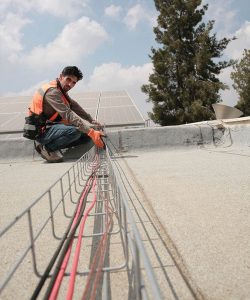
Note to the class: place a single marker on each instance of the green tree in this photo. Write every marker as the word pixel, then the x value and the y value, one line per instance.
pixel 184 83
pixel 241 78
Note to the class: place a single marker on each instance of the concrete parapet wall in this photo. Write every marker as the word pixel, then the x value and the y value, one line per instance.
pixel 127 139
pixel 240 134
pixel 17 147
pixel 182 135
pixel 22 148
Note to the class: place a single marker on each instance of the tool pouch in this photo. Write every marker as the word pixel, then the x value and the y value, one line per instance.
pixel 34 125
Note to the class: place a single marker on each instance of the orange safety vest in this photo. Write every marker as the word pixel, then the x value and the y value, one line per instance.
pixel 37 101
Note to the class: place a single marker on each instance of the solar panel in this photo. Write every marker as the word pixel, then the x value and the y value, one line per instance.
pixel 115 101
pixel 15 99
pixel 117 108
pixel 89 95
pixel 109 107
pixel 119 116
pixel 114 94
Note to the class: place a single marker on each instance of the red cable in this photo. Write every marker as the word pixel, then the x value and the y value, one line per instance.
pixel 57 284
pixel 100 264
pixel 78 247
pixel 99 254
pixel 54 292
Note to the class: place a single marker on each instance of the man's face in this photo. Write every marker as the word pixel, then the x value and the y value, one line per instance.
pixel 67 82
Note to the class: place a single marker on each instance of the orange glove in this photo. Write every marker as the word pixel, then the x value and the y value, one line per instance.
pixel 96 137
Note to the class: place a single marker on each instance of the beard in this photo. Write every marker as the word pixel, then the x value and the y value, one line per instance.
pixel 66 88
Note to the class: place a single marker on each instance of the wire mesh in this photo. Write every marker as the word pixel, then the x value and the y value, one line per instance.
pixel 111 254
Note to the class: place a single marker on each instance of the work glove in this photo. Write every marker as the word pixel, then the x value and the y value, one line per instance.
pixel 96 137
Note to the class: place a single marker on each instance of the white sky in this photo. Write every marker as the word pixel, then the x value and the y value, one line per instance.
pixel 109 41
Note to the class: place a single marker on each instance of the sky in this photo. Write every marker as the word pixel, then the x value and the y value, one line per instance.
pixel 110 41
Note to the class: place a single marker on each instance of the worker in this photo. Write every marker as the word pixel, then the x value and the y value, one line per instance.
pixel 63 117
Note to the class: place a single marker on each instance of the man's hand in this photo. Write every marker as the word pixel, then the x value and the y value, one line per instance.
pixel 96 137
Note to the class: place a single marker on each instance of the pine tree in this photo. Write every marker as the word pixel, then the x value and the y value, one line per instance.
pixel 241 78
pixel 184 84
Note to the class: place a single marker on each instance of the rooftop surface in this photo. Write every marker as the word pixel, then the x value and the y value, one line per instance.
pixel 192 203
pixel 201 198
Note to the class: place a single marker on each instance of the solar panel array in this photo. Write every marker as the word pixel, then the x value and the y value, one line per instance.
pixel 12 112
pixel 112 108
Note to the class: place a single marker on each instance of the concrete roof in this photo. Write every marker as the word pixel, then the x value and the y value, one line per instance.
pixel 193 182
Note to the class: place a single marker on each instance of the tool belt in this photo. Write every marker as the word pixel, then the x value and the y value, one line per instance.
pixel 34 126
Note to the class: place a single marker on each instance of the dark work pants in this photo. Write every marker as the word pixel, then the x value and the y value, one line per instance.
pixel 60 136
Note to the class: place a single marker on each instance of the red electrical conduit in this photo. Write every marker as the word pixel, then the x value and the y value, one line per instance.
pixel 57 284
pixel 100 264
pixel 78 246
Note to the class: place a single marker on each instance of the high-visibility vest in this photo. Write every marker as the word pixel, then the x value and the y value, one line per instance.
pixel 37 101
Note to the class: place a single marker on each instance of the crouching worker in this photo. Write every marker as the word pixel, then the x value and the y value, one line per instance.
pixel 56 120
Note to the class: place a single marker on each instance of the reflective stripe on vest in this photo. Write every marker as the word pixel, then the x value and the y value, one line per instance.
pixel 37 100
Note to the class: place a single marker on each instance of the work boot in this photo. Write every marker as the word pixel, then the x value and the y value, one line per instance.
pixel 51 157
pixel 38 147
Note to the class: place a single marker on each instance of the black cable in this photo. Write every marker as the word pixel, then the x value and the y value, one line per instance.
pixel 53 259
